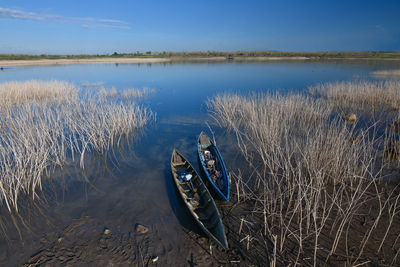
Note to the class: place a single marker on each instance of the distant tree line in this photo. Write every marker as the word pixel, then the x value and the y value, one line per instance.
pixel 205 54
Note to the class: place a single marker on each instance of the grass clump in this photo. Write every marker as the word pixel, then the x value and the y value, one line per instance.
pixel 45 124
pixel 315 185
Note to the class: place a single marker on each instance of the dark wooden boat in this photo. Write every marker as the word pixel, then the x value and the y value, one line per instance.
pixel 213 166
pixel 197 199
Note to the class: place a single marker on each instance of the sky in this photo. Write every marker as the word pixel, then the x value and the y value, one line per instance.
pixel 105 27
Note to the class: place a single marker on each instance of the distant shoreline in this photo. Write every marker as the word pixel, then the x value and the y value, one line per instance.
pixel 30 62
pixel 122 60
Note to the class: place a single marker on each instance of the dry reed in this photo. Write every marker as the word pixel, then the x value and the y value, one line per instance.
pixel 361 96
pixel 137 94
pixel 43 124
pixel 15 93
pixel 308 180
pixel 128 94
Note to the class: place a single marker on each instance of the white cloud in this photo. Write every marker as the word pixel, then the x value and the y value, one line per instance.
pixel 111 21
pixel 105 26
pixel 17 14
pixel 105 23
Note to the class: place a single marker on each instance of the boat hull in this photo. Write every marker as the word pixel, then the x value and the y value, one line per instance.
pixel 213 168
pixel 197 199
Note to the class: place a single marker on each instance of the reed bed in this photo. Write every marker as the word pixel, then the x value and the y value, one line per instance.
pixel 315 184
pixel 15 93
pixel 41 130
pixel 127 94
pixel 134 93
pixel 361 96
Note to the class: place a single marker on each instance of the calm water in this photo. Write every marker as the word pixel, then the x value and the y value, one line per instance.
pixel 136 187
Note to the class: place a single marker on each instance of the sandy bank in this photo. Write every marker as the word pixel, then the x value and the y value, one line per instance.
pixel 195 59
pixel 7 63
pixel 386 73
pixel 269 58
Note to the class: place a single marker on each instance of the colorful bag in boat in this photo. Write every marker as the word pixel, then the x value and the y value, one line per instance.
pixel 184 175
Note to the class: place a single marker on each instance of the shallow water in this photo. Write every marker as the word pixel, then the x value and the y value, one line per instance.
pixel 136 186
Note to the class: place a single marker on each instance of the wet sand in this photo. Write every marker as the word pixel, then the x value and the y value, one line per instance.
pixel 85 243
pixel 173 237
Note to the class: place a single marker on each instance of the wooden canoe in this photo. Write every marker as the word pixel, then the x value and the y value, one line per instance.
pixel 197 198
pixel 213 167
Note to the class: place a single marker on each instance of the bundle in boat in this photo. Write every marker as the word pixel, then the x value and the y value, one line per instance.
pixel 197 199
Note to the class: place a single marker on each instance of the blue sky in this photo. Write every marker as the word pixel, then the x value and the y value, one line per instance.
pixel 75 27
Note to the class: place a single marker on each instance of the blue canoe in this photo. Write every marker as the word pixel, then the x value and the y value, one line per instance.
pixel 213 166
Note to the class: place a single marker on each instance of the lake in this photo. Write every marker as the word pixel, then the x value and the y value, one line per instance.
pixel 135 186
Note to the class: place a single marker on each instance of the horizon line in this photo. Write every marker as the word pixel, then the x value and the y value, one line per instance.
pixel 157 52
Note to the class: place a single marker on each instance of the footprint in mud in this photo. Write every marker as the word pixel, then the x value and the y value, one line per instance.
pixel 84 243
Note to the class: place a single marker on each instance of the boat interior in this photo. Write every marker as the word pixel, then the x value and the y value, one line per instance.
pixel 197 198
pixel 195 193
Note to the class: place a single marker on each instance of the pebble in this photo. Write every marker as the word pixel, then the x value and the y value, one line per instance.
pixel 141 229
pixel 107 231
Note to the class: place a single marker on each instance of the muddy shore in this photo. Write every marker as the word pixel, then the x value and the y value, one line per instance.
pixel 86 243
